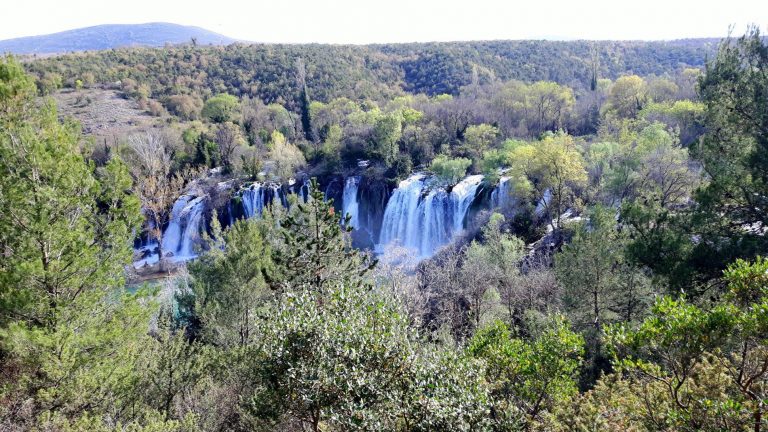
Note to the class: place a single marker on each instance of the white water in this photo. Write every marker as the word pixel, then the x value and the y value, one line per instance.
pixel 501 197
pixel 423 218
pixel 418 216
pixel 349 203
pixel 259 196
pixel 541 206
pixel 185 227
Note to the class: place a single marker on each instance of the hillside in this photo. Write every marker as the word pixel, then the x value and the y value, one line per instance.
pixel 375 72
pixel 109 36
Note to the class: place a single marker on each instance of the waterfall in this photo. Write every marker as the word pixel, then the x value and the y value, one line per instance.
pixel 424 218
pixel 462 196
pixel 501 197
pixel 184 229
pixel 172 235
pixel 541 206
pixel 193 215
pixel 349 202
pixel 258 196
pixel 301 190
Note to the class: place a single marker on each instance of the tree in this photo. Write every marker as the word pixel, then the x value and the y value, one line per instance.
pixel 705 357
pixel 287 157
pixel 173 364
pixel 662 90
pixel 229 288
pixel 733 151
pixel 447 391
pixel 70 338
pixel 528 378
pixel 228 140
pixel 548 106
pixel 66 226
pixel 221 108
pixel 332 359
pixel 450 171
pixel 489 269
pixel 478 139
pixel 548 173
pixel 628 96
pixel 600 286
pixel 315 249
pixel 186 107
pixel 156 185
pixel 387 130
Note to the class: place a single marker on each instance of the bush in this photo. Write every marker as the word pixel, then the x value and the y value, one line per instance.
pixel 450 170
pixel 221 108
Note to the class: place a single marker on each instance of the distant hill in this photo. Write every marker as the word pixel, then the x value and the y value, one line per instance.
pixel 109 36
pixel 377 72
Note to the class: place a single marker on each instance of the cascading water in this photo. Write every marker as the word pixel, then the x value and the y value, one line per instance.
pixel 501 197
pixel 541 206
pixel 462 196
pixel 423 218
pixel 259 196
pixel 349 202
pixel 193 214
pixel 185 227
pixel 302 190
pixel 419 214
pixel 172 235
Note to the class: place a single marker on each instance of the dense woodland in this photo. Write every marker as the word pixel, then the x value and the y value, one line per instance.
pixel 636 301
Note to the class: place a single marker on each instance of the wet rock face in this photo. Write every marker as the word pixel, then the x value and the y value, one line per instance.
pixel 372 198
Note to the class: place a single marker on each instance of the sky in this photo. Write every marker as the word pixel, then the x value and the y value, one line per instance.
pixel 365 21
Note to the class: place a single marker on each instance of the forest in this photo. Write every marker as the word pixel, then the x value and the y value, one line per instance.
pixel 469 236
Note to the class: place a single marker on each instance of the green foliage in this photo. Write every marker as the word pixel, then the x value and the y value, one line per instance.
pixel 229 287
pixel 733 152
pixel 70 337
pixel 447 392
pixel 332 359
pixel 221 108
pixel 708 360
pixel 600 285
pixel 449 171
pixel 316 250
pixel 278 327
pixel 172 366
pixel 479 138
pixel 552 167
pixel 628 96
pixel 387 130
pixel 286 156
pixel 528 378
pixel 68 232
pixel 686 116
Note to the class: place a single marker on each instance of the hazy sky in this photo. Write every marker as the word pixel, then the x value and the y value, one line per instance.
pixel 364 21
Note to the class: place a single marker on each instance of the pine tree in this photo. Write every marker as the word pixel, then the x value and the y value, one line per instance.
pixel 70 338
pixel 306 115
pixel 315 248
pixel 229 286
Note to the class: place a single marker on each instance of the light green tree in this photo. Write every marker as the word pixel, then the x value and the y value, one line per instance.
pixel 628 96
pixel 548 172
pixel 528 378
pixel 221 108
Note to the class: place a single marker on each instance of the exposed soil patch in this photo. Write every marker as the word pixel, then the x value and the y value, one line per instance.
pixel 104 114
